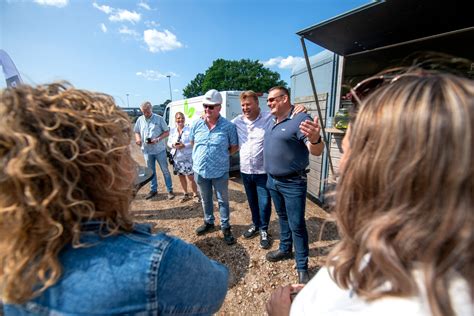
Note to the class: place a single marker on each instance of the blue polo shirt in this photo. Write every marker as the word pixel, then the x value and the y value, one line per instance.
pixel 211 147
pixel 284 146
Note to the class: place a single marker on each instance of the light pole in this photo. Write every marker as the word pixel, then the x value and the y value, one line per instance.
pixel 128 104
pixel 169 82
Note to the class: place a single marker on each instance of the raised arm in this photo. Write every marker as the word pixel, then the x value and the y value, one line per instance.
pixel 312 130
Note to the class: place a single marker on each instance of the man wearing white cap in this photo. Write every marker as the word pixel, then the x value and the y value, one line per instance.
pixel 214 139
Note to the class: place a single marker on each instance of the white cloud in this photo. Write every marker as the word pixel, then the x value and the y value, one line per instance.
pixel 155 75
pixel 151 24
pixel 151 75
pixel 144 6
pixel 126 31
pixel 103 27
pixel 121 15
pixel 282 63
pixel 53 3
pixel 160 41
pixel 104 8
pixel 118 15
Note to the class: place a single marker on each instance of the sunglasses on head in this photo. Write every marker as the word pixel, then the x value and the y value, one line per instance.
pixel 369 85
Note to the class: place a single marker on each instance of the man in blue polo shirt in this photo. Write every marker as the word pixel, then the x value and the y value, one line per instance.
pixel 287 144
pixel 214 138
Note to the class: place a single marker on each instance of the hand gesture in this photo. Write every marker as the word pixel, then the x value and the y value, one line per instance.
pixel 311 129
pixel 280 301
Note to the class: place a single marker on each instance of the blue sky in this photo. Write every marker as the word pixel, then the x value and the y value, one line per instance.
pixel 125 47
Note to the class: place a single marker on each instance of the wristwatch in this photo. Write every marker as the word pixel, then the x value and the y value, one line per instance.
pixel 318 141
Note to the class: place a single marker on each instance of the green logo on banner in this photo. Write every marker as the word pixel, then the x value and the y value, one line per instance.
pixel 188 111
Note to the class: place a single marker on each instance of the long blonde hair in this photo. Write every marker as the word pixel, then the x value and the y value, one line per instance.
pixel 65 160
pixel 405 195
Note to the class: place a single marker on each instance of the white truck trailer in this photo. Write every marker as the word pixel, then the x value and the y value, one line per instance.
pixel 192 107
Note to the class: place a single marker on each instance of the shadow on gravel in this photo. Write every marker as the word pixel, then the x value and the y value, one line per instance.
pixel 237 196
pixel 234 176
pixel 238 230
pixel 320 251
pixel 181 212
pixel 234 257
pixel 321 230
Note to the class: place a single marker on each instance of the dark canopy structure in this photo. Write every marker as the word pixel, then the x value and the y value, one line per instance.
pixel 391 22
pixel 383 33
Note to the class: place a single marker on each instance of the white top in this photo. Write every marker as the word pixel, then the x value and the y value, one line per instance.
pixel 322 296
pixel 251 141
pixel 181 154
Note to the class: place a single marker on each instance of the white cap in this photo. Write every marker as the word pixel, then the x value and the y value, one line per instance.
pixel 212 97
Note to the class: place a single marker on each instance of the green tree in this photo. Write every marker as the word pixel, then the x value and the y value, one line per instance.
pixel 243 74
pixel 194 88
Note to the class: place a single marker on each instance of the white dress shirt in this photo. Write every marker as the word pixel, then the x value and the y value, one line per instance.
pixel 251 141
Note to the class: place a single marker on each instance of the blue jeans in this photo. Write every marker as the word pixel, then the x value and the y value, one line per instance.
pixel 289 197
pixel 150 160
pixel 259 199
pixel 221 186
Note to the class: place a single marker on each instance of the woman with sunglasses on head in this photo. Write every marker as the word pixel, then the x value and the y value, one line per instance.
pixel 68 244
pixel 182 152
pixel 404 207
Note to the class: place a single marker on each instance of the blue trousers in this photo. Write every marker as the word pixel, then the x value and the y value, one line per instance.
pixel 221 186
pixel 259 199
pixel 151 160
pixel 289 196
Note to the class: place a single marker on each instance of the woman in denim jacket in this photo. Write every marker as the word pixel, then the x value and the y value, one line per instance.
pixel 68 245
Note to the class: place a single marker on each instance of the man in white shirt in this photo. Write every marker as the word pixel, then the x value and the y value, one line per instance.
pixel 251 126
pixel 251 129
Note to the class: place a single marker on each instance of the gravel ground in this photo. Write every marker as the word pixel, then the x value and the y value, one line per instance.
pixel 252 278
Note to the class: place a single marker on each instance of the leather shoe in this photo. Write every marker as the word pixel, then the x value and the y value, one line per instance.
pixel 150 195
pixel 206 228
pixel 303 277
pixel 228 238
pixel 277 255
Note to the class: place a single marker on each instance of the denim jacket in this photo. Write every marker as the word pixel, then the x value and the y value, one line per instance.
pixel 133 274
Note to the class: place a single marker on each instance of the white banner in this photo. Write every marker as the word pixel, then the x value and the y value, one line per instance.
pixel 12 76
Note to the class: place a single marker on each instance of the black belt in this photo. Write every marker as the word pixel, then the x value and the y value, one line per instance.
pixel 292 175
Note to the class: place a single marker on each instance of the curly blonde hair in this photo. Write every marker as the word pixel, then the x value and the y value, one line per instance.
pixel 405 195
pixel 65 160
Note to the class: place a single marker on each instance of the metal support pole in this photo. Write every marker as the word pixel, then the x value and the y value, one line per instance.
pixel 169 82
pixel 320 115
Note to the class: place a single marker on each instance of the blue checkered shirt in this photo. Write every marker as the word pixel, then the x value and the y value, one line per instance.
pixel 211 147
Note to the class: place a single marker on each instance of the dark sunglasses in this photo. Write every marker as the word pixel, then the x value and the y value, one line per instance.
pixel 209 107
pixel 274 98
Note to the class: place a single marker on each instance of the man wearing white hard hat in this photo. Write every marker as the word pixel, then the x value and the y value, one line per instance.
pixel 214 139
